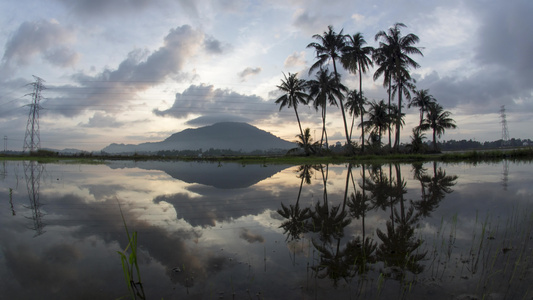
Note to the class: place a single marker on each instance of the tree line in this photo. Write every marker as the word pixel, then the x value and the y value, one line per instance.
pixel 393 62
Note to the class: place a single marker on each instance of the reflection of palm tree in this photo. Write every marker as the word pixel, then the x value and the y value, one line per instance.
pixel 399 244
pixel 297 218
pixel 434 189
pixel 296 223
pixel 329 222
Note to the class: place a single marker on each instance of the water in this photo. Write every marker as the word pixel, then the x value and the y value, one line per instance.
pixel 232 231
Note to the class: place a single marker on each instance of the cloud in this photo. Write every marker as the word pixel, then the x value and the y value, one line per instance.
pixel 104 8
pixel 44 37
pixel 62 56
pixel 505 38
pixel 251 237
pixel 501 69
pixel 142 69
pixel 296 59
pixel 217 118
pixel 101 120
pixel 206 100
pixel 244 74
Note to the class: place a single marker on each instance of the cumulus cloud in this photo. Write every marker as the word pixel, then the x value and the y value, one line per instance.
pixel 101 120
pixel 45 37
pixel 217 104
pixel 142 69
pixel 297 59
pixel 249 71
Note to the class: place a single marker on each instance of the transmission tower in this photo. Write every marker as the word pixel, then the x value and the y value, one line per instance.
pixel 505 131
pixel 32 140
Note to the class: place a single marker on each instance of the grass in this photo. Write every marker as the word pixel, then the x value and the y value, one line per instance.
pixel 132 274
pixel 525 153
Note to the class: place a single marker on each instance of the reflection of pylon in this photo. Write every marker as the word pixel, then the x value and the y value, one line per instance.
pixel 32 172
pixel 505 131
pixel 32 140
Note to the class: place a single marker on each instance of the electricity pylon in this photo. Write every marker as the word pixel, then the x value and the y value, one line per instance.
pixel 32 140
pixel 505 131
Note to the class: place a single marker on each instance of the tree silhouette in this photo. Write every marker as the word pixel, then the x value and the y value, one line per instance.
pixel 329 47
pixel 294 93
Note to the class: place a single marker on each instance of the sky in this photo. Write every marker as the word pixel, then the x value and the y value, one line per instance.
pixel 134 71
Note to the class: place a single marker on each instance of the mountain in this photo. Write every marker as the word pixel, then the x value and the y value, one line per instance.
pixel 226 135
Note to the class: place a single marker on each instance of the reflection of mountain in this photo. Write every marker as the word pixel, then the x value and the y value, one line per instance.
pixel 224 176
pixel 227 135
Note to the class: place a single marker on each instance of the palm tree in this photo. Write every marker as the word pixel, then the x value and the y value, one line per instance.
pixel 355 58
pixel 325 88
pixel 393 54
pixel 422 100
pixel 294 90
pixel 438 120
pixel 356 107
pixel 378 118
pixel 329 47
pixel 305 142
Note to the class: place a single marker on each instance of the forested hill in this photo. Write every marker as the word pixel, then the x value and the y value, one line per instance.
pixel 226 135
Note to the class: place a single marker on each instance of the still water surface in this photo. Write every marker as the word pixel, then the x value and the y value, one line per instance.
pixel 232 231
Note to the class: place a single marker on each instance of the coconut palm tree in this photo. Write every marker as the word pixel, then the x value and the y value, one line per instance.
pixel 378 118
pixel 305 142
pixel 393 53
pixel 422 100
pixel 323 90
pixel 329 47
pixel 294 93
pixel 355 103
pixel 356 58
pixel 438 120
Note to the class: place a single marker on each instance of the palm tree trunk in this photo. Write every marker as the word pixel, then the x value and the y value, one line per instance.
pixel 435 139
pixel 361 112
pixel 300 125
pixel 390 87
pixel 342 108
pixel 398 117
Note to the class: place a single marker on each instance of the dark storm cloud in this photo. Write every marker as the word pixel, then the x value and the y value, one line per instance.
pixel 106 8
pixel 44 37
pixel 208 100
pixel 113 88
pixel 504 63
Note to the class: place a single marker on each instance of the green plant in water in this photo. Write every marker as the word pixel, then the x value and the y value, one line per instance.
pixel 130 265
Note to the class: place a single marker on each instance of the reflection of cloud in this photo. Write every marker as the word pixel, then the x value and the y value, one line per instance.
pixel 250 237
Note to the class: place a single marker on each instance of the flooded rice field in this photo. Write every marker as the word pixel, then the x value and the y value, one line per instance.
pixel 190 230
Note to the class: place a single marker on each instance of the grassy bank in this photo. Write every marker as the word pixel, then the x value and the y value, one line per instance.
pixel 468 156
